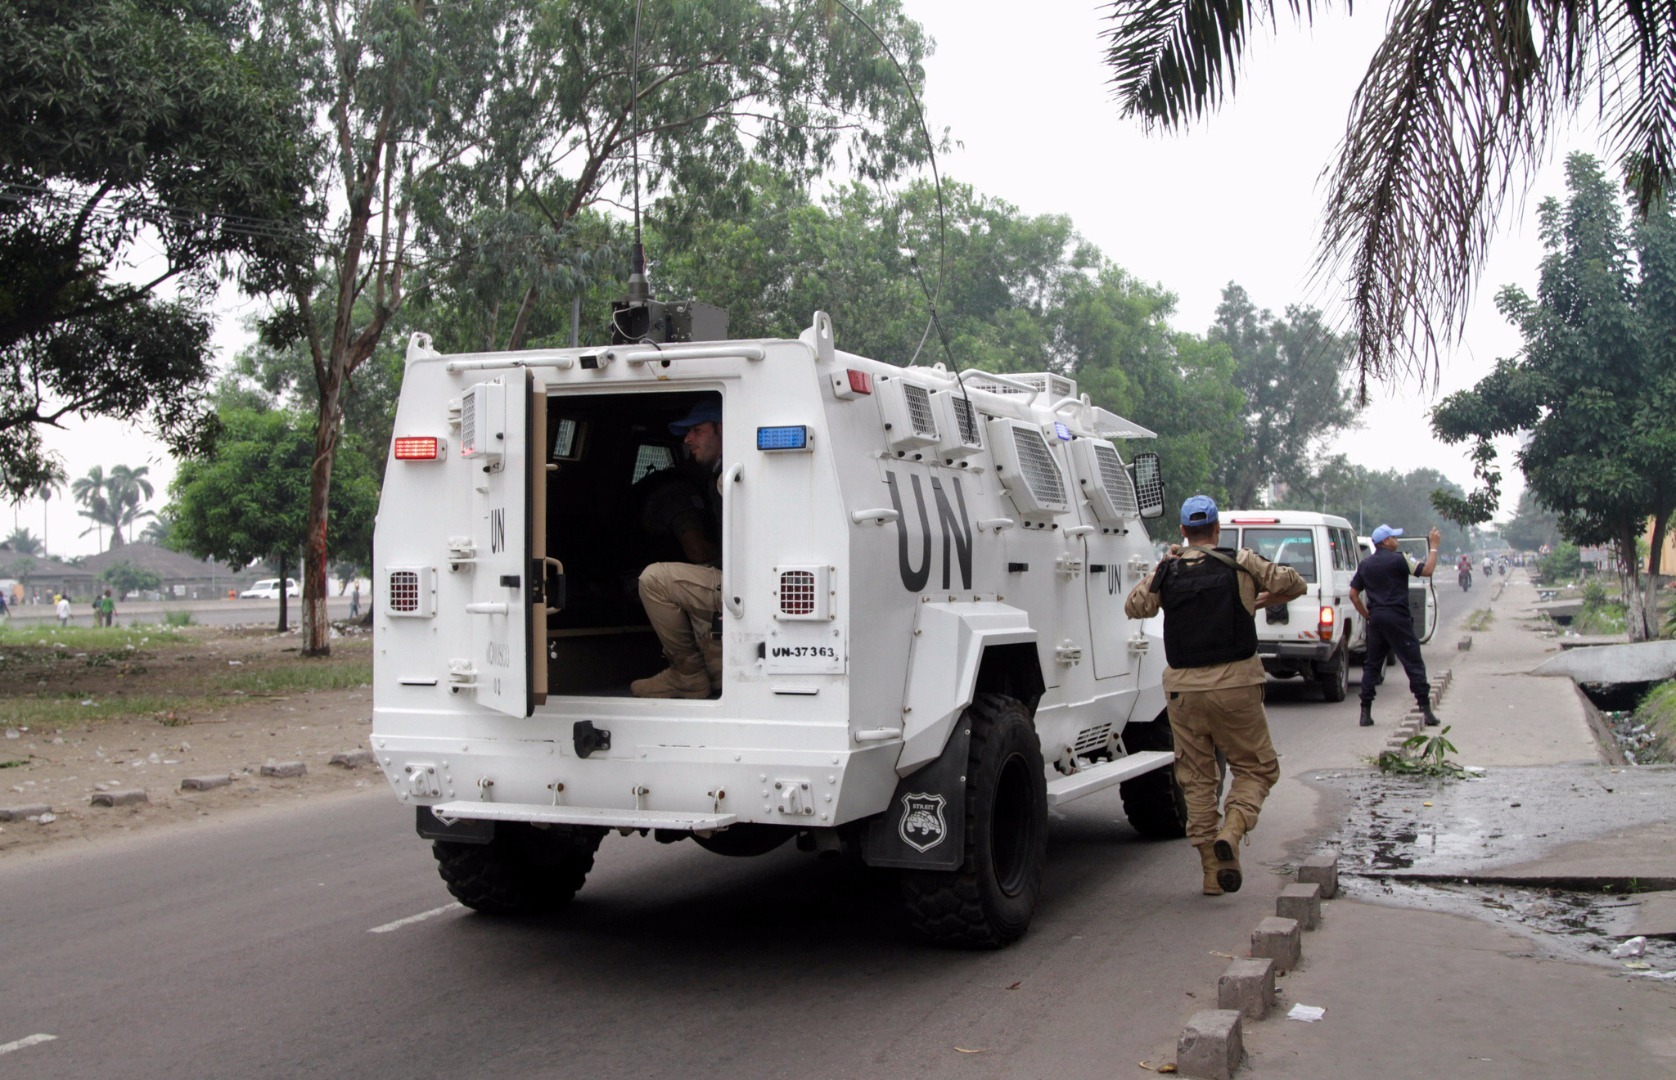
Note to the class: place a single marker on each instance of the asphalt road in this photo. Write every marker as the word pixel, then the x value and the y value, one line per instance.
pixel 319 940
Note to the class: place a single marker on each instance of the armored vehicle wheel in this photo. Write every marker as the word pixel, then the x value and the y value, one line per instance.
pixel 988 902
pixel 1335 684
pixel 523 871
pixel 1154 803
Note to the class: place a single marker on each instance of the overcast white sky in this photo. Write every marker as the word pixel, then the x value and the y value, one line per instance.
pixel 1023 90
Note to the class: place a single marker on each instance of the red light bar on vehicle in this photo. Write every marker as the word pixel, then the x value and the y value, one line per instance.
pixel 419 448
pixel 1255 521
pixel 861 382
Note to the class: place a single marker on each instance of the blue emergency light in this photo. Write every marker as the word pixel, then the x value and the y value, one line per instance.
pixel 1063 430
pixel 785 437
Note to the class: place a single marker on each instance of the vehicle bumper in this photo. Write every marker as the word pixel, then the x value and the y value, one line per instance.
pixel 1294 652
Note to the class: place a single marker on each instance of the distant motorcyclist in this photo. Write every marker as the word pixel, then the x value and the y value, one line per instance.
pixel 1463 573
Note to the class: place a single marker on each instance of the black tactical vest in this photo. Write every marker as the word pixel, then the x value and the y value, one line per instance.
pixel 1205 622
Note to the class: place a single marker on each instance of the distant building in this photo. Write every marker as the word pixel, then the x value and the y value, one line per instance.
pixel 183 577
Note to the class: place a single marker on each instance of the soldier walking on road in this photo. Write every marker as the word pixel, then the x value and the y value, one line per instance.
pixel 1380 592
pixel 1213 680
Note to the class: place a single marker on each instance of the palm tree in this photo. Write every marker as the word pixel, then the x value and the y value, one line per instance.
pixel 89 490
pixel 125 489
pixel 23 542
pixel 52 481
pixel 1457 105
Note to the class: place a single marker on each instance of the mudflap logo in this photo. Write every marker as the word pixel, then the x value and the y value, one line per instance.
pixel 922 827
pixel 951 522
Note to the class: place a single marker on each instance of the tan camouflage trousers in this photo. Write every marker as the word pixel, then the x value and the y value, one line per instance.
pixel 1231 720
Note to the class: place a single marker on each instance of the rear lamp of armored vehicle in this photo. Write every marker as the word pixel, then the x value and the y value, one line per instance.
pixel 419 448
pixel 784 437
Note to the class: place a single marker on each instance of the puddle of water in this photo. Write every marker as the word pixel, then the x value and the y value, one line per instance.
pixel 1421 843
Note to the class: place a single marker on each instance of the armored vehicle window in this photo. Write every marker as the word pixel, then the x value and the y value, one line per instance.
pixel 1294 547
pixel 650 459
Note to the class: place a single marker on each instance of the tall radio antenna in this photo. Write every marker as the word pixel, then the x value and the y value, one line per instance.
pixel 639 290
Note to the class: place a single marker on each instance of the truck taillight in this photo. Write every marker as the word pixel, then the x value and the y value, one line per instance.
pixel 1327 617
pixel 419 448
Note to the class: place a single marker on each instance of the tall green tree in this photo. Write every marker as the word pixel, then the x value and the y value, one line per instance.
pixel 24 542
pixel 246 500
pixel 1290 371
pixel 1533 526
pixel 89 490
pixel 1594 390
pixel 1459 101
pixel 490 125
pixel 156 135
pixel 1372 497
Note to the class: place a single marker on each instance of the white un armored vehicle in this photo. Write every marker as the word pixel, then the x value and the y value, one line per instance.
pixel 923 638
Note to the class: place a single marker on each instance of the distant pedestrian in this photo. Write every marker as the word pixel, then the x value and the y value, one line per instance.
pixel 5 611
pixel 106 607
pixel 1380 592
pixel 355 601
pixel 1213 681
pixel 63 609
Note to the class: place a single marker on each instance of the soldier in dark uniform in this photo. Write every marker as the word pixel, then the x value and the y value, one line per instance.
pixel 1380 592
pixel 1213 680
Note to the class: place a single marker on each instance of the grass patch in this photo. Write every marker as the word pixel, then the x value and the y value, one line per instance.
pixel 90 638
pixel 1480 620
pixel 177 618
pixel 1658 711
pixel 303 678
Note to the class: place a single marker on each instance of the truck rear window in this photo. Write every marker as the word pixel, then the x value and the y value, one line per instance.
pixel 1293 547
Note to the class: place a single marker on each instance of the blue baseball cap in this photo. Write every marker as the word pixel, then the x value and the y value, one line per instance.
pixel 1198 511
pixel 1384 533
pixel 705 412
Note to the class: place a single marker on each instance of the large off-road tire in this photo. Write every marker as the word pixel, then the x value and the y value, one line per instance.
pixel 989 901
pixel 523 871
pixel 1154 803
pixel 1335 683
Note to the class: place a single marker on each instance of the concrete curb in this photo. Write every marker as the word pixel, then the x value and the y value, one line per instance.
pixel 127 797
pixel 23 812
pixel 284 769
pixel 205 783
pixel 352 759
pixel 1212 1045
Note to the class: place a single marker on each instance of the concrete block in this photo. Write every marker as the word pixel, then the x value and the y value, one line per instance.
pixel 1280 940
pixel 1464 645
pixel 126 797
pixel 1300 902
pixel 27 810
pixel 1247 987
pixel 284 769
pixel 205 783
pixel 352 759
pixel 1321 870
pixel 1211 1045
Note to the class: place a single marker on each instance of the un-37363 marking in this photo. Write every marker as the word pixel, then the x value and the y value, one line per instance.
pixel 795 651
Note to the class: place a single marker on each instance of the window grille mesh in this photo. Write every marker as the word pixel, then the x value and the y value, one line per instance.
pixel 1115 478
pixel 920 415
pixel 967 418
pixel 797 592
pixel 1041 472
pixel 468 424
pixel 404 590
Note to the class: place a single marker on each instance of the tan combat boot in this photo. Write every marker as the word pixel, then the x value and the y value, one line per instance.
pixel 683 678
pixel 1207 859
pixel 1227 849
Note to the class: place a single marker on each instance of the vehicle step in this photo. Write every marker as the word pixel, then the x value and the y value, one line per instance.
pixel 1104 775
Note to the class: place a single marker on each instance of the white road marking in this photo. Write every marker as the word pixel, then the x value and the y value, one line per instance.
pixel 26 1041
pixel 411 919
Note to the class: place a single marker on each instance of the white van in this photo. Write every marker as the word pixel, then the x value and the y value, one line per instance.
pixel 1315 634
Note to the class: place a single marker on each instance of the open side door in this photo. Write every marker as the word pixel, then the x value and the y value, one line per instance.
pixel 495 431
pixel 1422 591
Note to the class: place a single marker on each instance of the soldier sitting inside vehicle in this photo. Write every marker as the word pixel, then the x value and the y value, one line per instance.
pixel 683 599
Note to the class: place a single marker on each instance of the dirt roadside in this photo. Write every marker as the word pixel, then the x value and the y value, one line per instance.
pixel 211 702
